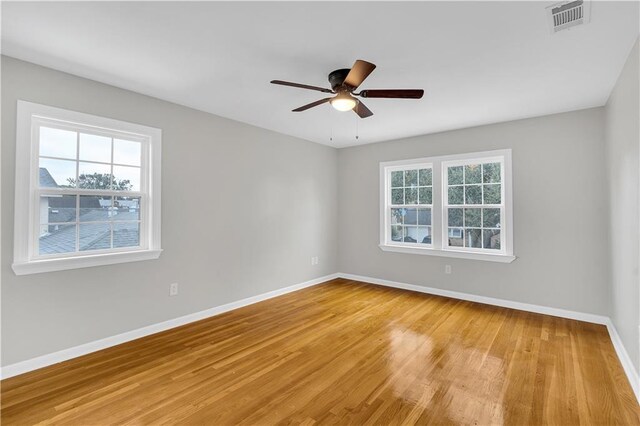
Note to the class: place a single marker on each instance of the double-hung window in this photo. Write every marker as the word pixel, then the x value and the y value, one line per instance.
pixel 455 206
pixel 87 190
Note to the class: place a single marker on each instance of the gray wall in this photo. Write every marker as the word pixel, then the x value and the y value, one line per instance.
pixel 244 209
pixel 622 133
pixel 560 213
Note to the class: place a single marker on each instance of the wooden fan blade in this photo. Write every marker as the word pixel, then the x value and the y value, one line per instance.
pixel 311 105
pixel 358 73
pixel 362 110
pixel 301 86
pixel 393 93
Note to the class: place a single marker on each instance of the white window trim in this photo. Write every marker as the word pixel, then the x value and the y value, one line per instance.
pixel 406 166
pixel 26 262
pixel 437 247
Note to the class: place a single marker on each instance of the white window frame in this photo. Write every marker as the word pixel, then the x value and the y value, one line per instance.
pixel 413 166
pixel 26 259
pixel 439 206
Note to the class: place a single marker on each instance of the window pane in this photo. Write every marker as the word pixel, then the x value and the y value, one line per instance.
pixel 57 239
pixel 396 216
pixel 424 177
pixel 491 218
pixel 491 172
pixel 472 218
pixel 424 216
pixel 397 196
pixel 410 234
pixel 473 238
pixel 454 175
pixel 94 176
pixel 456 194
pixel 126 208
pixel 492 194
pixel 397 179
pixel 410 216
pixel 57 173
pixel 58 143
pixel 473 194
pixel 95 208
pixel 57 208
pixel 455 237
pixel 491 239
pixel 126 152
pixel 126 178
pixel 424 235
pixel 126 234
pixel 411 178
pixel 473 173
pixel 396 233
pixel 425 196
pixel 411 195
pixel 455 217
pixel 95 236
pixel 95 148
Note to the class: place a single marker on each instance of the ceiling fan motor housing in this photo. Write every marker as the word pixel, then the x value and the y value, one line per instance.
pixel 336 78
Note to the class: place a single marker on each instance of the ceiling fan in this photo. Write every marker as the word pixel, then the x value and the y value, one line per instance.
pixel 344 82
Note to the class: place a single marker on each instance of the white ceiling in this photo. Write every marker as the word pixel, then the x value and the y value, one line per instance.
pixel 479 62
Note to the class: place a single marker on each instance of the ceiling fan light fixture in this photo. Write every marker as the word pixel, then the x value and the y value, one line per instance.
pixel 343 102
pixel 343 84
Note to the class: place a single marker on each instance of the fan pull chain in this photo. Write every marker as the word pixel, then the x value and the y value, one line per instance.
pixel 331 124
pixel 357 129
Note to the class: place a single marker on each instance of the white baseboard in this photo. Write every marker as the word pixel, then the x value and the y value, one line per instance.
pixel 556 312
pixel 76 351
pixel 625 360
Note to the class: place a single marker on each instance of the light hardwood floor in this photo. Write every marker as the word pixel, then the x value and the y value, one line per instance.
pixel 343 352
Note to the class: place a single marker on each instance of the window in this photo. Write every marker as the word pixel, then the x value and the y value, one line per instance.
pixel 455 206
pixel 87 190
pixel 411 201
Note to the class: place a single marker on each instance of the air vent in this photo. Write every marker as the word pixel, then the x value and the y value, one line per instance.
pixel 568 14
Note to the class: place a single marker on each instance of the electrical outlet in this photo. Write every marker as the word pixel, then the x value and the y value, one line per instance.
pixel 447 269
pixel 314 260
pixel 173 289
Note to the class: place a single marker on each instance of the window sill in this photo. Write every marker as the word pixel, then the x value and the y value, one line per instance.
pixel 501 258
pixel 61 264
